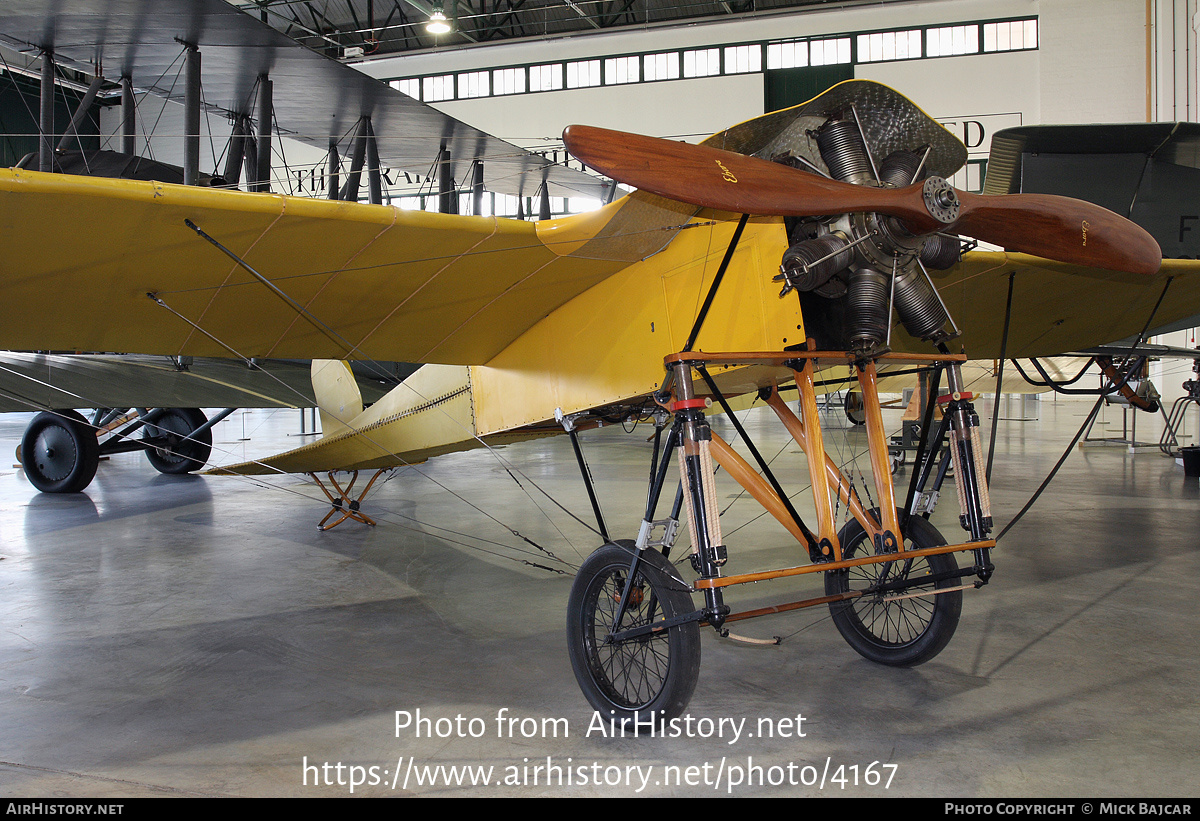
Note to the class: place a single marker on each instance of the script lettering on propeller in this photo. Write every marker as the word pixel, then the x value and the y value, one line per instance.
pixel 1086 226
pixel 726 174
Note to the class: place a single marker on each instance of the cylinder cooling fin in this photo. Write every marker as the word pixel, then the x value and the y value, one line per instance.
pixel 810 264
pixel 901 168
pixel 941 251
pixel 841 145
pixel 868 312
pixel 918 305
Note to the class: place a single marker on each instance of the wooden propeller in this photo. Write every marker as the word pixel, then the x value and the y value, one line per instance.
pixel 1053 227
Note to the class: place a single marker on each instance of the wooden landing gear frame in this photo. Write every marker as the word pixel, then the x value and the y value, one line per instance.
pixel 634 642
pixel 344 506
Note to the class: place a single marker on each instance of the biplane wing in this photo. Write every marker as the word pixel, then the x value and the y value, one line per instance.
pixel 36 381
pixel 314 100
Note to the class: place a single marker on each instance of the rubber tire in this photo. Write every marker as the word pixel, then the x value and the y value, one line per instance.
pixel 65 436
pixel 653 675
pixel 181 455
pixel 900 633
pixel 853 407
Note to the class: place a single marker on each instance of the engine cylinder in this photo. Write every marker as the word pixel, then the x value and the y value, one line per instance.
pixel 918 305
pixel 844 152
pixel 798 261
pixel 867 311
pixel 900 168
pixel 940 252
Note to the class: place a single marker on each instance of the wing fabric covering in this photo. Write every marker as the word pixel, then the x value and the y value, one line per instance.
pixel 86 259
pixel 1057 307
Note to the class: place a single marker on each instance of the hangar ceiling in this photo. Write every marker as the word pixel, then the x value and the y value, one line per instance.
pixel 396 26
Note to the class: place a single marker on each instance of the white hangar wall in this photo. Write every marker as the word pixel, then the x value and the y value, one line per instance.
pixel 1090 67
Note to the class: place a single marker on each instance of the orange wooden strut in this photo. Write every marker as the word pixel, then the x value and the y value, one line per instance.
pixel 835 478
pixel 881 468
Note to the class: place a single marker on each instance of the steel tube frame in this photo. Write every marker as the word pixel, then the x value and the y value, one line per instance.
pixel 191 116
pixel 236 155
pixel 358 155
pixel 447 202
pixel 128 116
pixel 332 181
pixel 46 115
pixel 374 172
pixel 262 176
pixel 72 129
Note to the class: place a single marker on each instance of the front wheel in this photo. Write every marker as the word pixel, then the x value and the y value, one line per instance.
pixel 59 452
pixel 651 675
pixel 881 625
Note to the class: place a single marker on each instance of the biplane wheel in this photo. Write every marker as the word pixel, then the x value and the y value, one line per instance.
pixel 855 411
pixel 171 448
pixel 59 452
pixel 653 674
pixel 901 632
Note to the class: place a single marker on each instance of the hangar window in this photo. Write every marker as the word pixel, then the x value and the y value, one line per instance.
pixel 1010 35
pixel 619 70
pixel 790 54
pixel 438 88
pixel 889 45
pixel 411 87
pixel 508 81
pixel 829 52
pixel 703 62
pixel 948 41
pixel 743 59
pixel 473 84
pixel 662 66
pixel 583 73
pixel 506 205
pixel 546 78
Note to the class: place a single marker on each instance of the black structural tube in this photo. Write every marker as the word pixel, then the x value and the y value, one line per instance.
pixel 716 283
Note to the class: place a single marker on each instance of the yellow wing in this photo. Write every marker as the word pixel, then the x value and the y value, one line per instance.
pixel 110 265
pixel 1056 307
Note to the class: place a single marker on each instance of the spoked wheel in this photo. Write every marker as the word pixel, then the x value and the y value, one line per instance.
pixel 882 626
pixel 59 452
pixel 652 674
pixel 172 450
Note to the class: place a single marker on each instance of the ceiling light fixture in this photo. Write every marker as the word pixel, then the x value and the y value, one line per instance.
pixel 437 22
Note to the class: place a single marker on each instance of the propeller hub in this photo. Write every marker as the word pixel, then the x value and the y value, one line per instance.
pixel 940 200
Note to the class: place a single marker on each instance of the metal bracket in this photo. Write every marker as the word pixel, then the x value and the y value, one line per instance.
pixel 568 421
pixel 646 531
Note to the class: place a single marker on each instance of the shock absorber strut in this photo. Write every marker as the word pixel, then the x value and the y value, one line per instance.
pixel 966 455
pixel 700 492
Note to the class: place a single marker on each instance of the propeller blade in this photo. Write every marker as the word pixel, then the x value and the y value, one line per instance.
pixel 713 178
pixel 1059 228
pixel 1048 226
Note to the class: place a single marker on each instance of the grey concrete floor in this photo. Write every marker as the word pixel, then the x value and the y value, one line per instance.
pixel 166 636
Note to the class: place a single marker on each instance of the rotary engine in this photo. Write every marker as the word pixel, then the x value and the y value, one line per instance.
pixel 872 260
